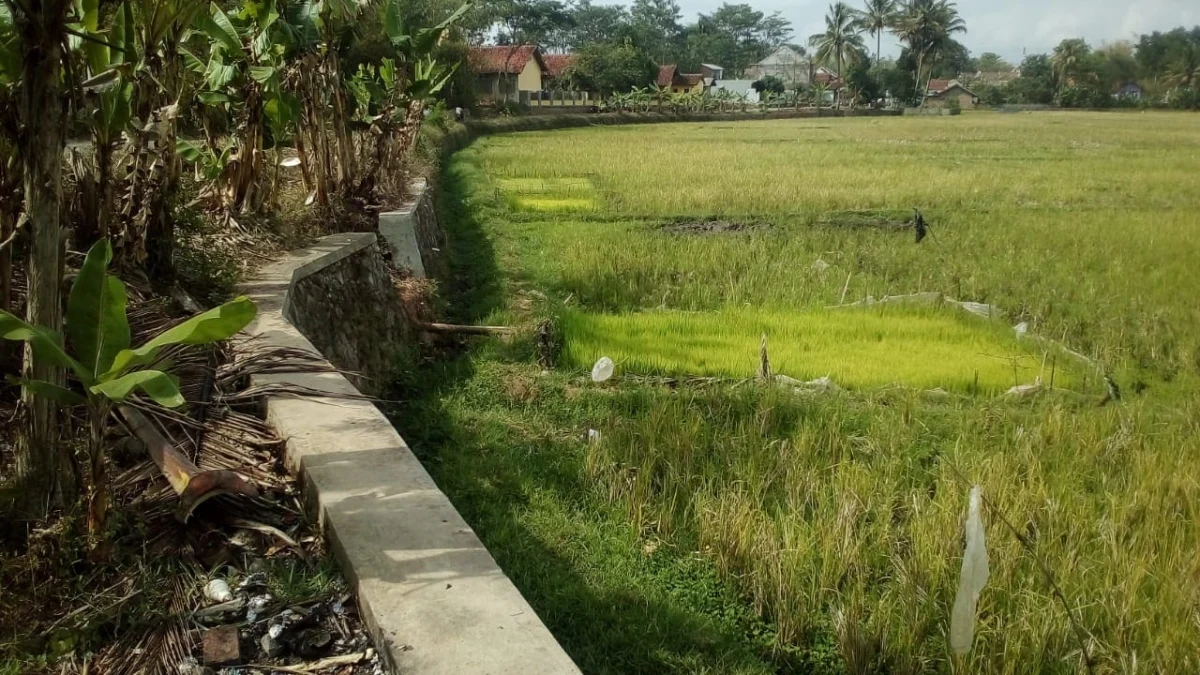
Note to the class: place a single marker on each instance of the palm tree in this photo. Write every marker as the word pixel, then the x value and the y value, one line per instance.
pixel 1067 59
pixel 1185 70
pixel 841 40
pixel 878 16
pixel 928 27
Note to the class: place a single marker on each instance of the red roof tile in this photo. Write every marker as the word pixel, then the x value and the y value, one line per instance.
pixel 556 64
pixel 827 79
pixel 507 60
pixel 665 75
pixel 691 79
pixel 938 86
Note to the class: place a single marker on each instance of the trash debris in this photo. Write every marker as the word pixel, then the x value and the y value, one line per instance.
pixel 221 646
pixel 290 162
pixel 252 580
pixel 1021 329
pixel 271 646
pixel 217 590
pixel 820 265
pixel 1022 390
pixel 190 666
pixel 980 308
pixel 257 604
pixel 593 436
pixel 972 580
pixel 824 383
pixel 602 370
pixel 218 611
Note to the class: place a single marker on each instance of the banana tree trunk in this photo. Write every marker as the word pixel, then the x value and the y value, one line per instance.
pixel 341 126
pixel 44 464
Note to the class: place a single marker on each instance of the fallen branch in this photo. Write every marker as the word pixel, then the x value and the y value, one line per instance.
pixel 308 669
pixel 465 330
pixel 191 484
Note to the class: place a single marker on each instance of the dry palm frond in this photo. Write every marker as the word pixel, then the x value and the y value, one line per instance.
pixel 161 649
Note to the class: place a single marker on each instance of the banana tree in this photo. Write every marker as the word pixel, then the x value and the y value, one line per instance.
pixel 107 369
pixel 661 94
pixel 242 78
pixel 107 91
pixel 33 55
pixel 160 95
pixel 392 107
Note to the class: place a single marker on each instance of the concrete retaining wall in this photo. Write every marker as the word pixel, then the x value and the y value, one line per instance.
pixel 434 599
pixel 345 304
pixel 413 235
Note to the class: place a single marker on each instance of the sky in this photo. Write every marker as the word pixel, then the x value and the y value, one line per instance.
pixel 1006 27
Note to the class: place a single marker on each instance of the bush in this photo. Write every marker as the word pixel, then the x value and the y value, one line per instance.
pixel 510 109
pixel 1184 98
pixel 1084 96
pixel 954 106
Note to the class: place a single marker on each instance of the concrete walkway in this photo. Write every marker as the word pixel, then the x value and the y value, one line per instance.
pixel 433 597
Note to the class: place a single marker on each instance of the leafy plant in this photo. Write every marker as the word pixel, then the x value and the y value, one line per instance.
pixel 100 355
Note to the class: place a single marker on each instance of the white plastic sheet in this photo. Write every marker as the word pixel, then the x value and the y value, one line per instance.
pixel 971 583
pixel 602 370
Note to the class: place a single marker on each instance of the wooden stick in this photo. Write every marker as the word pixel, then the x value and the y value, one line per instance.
pixel 845 287
pixel 466 330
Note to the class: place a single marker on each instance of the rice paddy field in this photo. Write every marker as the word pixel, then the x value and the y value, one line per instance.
pixel 686 516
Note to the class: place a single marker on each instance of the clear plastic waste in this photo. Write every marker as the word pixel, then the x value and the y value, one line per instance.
pixel 974 577
pixel 602 370
pixel 218 591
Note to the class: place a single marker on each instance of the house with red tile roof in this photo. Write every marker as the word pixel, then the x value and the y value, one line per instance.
pixel 940 92
pixel 679 83
pixel 556 65
pixel 504 71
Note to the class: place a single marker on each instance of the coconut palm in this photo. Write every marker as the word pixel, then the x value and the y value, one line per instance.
pixel 841 41
pixel 1068 58
pixel 1185 70
pixel 928 27
pixel 876 17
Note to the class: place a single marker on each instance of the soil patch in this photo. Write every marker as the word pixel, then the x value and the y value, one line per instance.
pixel 710 227
pixel 889 219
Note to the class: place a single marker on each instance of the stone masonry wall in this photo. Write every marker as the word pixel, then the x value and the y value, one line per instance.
pixel 351 312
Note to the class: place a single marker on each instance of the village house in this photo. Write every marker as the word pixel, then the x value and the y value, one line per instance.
pixel 787 64
pixel 680 83
pixel 941 92
pixel 556 66
pixel 742 87
pixel 504 72
pixel 1129 90
pixel 712 73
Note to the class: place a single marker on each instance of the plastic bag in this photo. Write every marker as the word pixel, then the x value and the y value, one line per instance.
pixel 602 370
pixel 971 583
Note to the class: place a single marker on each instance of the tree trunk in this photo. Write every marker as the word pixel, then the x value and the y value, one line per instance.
pixel 44 465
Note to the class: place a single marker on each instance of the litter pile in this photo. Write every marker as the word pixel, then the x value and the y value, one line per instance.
pixel 247 630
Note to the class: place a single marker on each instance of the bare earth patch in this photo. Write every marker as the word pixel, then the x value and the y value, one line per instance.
pixel 710 227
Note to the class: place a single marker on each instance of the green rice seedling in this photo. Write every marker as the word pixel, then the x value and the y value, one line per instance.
pixel 549 194
pixel 857 348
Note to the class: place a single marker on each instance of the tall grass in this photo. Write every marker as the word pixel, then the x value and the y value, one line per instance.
pixel 841 515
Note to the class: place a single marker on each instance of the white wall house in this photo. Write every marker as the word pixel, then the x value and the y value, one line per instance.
pixel 785 63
